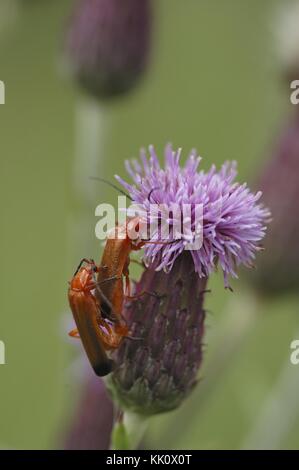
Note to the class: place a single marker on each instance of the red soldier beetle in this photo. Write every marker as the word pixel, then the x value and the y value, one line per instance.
pixel 98 310
pixel 116 259
pixel 98 334
pixel 115 264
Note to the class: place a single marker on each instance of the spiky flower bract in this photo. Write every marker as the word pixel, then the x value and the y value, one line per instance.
pixel 157 365
pixel 233 220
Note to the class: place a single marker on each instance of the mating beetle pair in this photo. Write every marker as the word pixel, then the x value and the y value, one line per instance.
pixel 96 297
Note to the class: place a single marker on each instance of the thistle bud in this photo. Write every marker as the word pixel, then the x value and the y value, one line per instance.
pixel 107 44
pixel 156 368
pixel 278 268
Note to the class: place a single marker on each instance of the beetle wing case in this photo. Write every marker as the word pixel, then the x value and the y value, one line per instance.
pixel 85 311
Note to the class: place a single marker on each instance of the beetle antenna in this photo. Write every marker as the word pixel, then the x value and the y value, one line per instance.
pixel 84 260
pixel 102 180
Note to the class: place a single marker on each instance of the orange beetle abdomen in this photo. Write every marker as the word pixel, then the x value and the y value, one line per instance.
pixel 85 312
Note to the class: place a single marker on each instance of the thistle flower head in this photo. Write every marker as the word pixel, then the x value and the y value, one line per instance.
pixel 157 367
pixel 107 44
pixel 233 222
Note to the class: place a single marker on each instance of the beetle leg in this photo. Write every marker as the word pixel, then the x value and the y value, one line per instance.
pixel 134 338
pixel 95 284
pixel 112 315
pixel 152 294
pixel 74 333
pixel 127 278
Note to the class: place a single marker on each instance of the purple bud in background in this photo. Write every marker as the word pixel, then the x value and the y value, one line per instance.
pixel 107 44
pixel 91 425
pixel 278 268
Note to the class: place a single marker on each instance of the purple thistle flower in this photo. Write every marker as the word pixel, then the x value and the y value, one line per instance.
pixel 157 366
pixel 107 44
pixel 233 223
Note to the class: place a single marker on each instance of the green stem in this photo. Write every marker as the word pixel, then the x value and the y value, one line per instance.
pixel 127 435
pixel 9 15
pixel 90 131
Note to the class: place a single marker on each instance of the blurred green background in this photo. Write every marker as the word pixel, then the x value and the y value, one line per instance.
pixel 213 84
